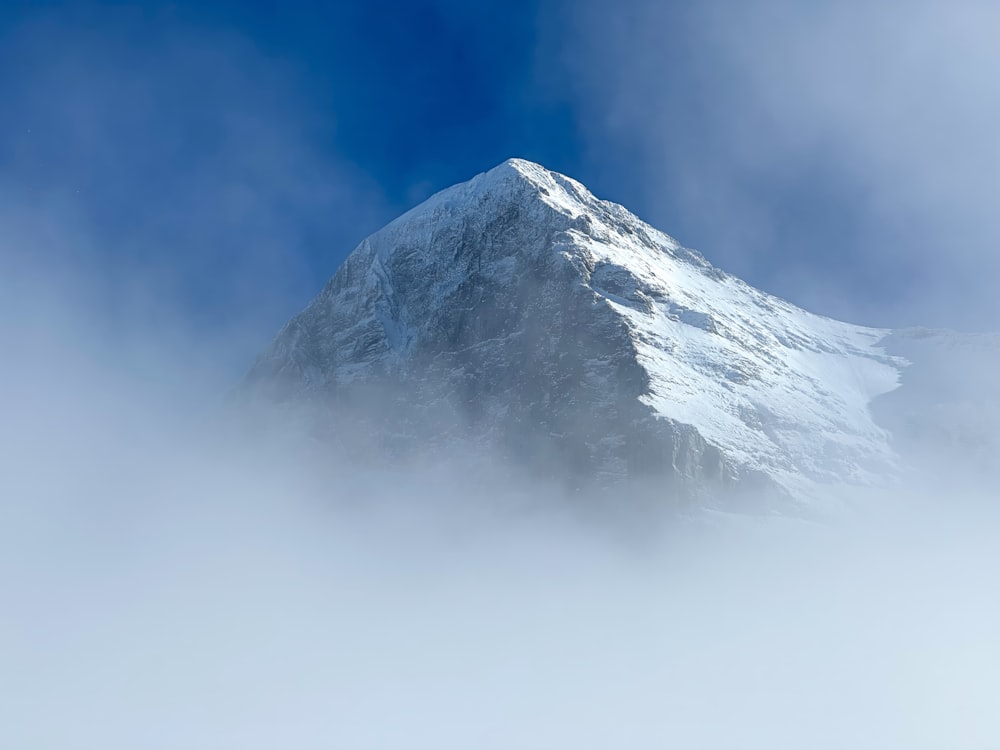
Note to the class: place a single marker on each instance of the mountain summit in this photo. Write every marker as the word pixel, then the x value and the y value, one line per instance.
pixel 519 314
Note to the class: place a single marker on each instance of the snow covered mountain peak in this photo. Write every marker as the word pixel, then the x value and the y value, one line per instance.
pixel 515 175
pixel 518 312
pixel 542 197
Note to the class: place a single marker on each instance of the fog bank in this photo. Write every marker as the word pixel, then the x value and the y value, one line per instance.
pixel 163 588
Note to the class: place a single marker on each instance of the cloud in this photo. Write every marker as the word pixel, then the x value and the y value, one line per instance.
pixel 163 166
pixel 840 154
pixel 159 591
pixel 167 586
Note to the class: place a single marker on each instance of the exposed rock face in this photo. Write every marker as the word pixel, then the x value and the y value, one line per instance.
pixel 520 314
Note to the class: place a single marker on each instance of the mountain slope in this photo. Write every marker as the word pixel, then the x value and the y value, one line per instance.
pixel 519 313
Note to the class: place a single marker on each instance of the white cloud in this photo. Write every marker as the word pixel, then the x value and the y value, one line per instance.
pixel 755 119
pixel 165 589
pixel 174 168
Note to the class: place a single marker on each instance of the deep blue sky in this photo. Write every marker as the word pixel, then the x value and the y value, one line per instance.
pixel 221 158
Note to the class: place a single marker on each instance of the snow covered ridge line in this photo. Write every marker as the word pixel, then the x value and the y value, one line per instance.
pixel 519 312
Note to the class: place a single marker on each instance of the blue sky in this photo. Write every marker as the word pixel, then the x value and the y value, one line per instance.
pixel 216 161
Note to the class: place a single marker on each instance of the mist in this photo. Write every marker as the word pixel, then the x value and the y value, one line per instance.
pixel 839 155
pixel 166 585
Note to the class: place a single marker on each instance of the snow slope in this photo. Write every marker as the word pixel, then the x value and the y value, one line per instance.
pixel 777 388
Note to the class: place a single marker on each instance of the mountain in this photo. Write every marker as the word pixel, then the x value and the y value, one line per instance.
pixel 518 315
